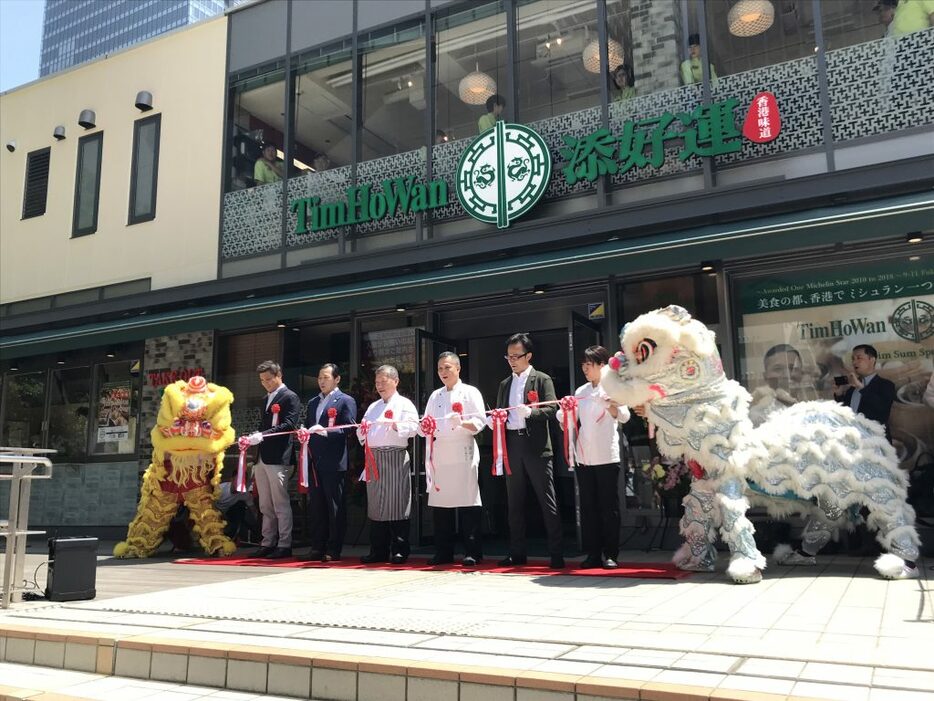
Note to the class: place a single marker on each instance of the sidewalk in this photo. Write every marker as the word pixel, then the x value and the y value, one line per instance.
pixel 831 632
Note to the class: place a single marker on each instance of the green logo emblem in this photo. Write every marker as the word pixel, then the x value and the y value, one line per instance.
pixel 503 173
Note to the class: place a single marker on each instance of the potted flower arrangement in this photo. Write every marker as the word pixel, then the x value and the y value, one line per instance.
pixel 670 482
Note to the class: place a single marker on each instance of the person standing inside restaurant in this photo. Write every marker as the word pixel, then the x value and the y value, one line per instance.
pixel 453 462
pixel 390 421
pixel 528 446
pixel 596 452
pixel 328 458
pixel 863 390
pixel 271 473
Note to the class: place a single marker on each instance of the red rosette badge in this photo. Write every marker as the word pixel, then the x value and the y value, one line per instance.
pixel 275 409
pixel 332 415
pixel 388 414
pixel 533 397
pixel 457 408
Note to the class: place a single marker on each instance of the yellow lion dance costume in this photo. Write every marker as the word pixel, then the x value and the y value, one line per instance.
pixel 188 442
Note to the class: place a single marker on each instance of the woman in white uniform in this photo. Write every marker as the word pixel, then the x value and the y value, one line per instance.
pixel 452 471
pixel 597 454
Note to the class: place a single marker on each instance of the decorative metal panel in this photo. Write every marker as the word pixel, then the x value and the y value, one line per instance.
pixel 400 165
pixel 444 164
pixel 882 86
pixel 796 89
pixel 252 221
pixel 551 130
pixel 327 186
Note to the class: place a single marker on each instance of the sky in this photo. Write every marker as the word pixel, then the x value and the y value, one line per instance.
pixel 20 41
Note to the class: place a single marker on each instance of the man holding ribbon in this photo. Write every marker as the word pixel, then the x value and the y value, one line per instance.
pixel 327 446
pixel 596 452
pixel 384 432
pixel 272 470
pixel 453 416
pixel 529 398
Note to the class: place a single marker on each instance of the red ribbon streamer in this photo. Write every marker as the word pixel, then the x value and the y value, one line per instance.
pixel 240 482
pixel 697 470
pixel 369 460
pixel 303 435
pixel 429 425
pixel 500 454
pixel 569 420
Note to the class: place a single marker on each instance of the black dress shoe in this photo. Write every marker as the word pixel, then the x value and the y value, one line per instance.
pixel 371 558
pixel 260 552
pixel 315 556
pixel 510 561
pixel 398 559
pixel 556 563
pixel 439 560
pixel 470 561
pixel 591 563
pixel 280 554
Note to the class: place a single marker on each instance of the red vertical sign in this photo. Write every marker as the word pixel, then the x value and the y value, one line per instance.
pixel 763 121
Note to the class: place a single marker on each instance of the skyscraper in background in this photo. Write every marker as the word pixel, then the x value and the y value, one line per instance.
pixel 75 31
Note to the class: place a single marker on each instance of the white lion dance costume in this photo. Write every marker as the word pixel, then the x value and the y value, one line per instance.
pixel 815 458
pixel 191 434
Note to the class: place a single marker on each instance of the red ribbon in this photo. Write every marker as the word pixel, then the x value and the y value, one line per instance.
pixel 369 460
pixel 500 454
pixel 240 482
pixel 303 435
pixel 429 425
pixel 569 420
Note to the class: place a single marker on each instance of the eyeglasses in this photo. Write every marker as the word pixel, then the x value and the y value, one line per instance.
pixel 515 357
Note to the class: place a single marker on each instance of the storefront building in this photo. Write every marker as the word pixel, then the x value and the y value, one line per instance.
pixel 774 179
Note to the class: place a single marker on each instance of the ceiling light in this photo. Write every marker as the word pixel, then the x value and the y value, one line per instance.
pixel 280 324
pixel 750 17
pixel 400 307
pixel 476 87
pixel 915 237
pixel 59 362
pixel 111 353
pixel 538 290
pixel 591 55
pixel 911 258
pixel 409 82
pixel 708 267
pixel 14 366
pixel 558 41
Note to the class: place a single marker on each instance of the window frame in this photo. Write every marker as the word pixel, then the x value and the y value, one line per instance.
pixel 84 231
pixel 48 167
pixel 132 217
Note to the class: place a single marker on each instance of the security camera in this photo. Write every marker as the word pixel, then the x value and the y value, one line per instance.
pixel 11 146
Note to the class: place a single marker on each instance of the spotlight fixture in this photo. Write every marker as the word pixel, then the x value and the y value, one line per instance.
pixel 143 101
pixel 559 40
pixel 87 119
pixel 111 353
pixel 14 366
pixel 59 132
pixel 60 361
pixel 400 307
pixel 538 290
pixel 280 324
pixel 708 267
pixel 915 237
pixel 11 146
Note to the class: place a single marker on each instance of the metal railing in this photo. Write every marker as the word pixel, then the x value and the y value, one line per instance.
pixel 19 466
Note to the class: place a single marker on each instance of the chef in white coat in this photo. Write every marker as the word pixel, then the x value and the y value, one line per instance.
pixel 457 409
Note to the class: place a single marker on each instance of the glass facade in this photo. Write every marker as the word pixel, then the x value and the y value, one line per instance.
pixel 75 31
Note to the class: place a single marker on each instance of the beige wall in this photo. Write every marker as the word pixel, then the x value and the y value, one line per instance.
pixel 184 71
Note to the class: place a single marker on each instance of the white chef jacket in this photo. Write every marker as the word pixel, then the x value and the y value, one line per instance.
pixel 381 435
pixel 598 437
pixel 517 397
pixel 455 454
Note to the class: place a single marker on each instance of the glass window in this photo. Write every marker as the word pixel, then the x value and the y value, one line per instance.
pixel 236 370
pixel 116 408
pixel 257 140
pixel 24 410
pixel 37 183
pixel 145 171
pixel 696 293
pixel 88 184
pixel 307 348
pixel 69 403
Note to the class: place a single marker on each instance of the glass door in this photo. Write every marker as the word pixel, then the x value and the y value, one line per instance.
pixel 428 347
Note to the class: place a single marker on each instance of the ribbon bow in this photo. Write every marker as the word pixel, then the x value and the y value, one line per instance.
pixel 500 454
pixel 569 420
pixel 428 426
pixel 275 409
pixel 370 471
pixel 240 482
pixel 303 435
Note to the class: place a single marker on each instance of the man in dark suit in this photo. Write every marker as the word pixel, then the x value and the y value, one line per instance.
pixel 328 453
pixel 271 473
pixel 864 391
pixel 528 445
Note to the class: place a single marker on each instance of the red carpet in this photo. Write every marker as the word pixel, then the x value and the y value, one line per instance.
pixel 643 570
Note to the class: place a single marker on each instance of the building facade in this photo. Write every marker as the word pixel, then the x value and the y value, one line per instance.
pixel 75 31
pixel 769 170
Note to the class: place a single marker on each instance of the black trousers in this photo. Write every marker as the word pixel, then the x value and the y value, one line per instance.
pixel 328 511
pixel 597 487
pixel 528 465
pixel 470 530
pixel 389 538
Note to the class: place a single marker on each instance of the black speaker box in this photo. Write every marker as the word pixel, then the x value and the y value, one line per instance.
pixel 72 569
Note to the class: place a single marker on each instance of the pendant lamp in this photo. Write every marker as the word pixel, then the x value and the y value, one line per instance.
pixel 591 55
pixel 750 17
pixel 476 87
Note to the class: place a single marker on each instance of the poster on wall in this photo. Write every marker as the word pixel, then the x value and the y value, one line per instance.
pixel 113 412
pixel 798 331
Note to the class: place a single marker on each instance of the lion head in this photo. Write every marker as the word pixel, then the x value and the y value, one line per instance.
pixel 194 418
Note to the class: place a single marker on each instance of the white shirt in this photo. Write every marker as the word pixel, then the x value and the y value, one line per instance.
pixel 271 395
pixel 404 415
pixel 440 405
pixel 598 437
pixel 321 404
pixel 858 394
pixel 517 397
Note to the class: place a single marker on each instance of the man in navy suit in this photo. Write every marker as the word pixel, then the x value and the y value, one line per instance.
pixel 328 453
pixel 864 391
pixel 271 473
